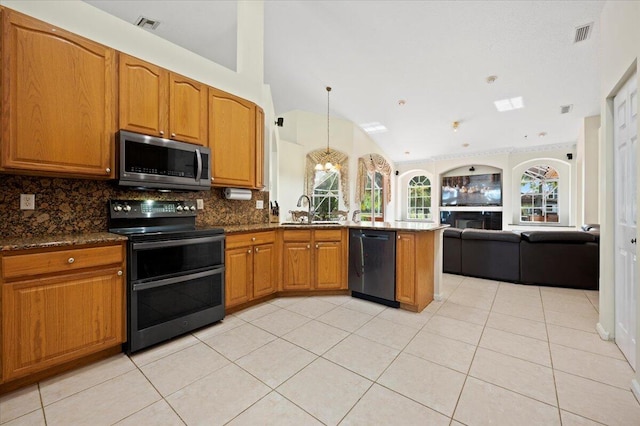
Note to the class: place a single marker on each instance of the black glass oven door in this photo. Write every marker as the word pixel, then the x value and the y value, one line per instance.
pixel 160 310
pixel 160 259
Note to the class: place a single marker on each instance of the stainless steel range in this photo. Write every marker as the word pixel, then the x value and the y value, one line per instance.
pixel 175 272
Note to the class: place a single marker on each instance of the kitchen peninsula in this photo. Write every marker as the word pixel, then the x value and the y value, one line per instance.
pixel 314 257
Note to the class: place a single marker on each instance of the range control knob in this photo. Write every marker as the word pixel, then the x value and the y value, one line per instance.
pixel 179 208
pixel 192 208
pixel 117 208
pixel 126 208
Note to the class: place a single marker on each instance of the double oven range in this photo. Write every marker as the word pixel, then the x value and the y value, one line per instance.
pixel 175 278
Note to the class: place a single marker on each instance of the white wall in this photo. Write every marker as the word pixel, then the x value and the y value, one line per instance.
pixel 512 165
pixel 618 55
pixel 305 132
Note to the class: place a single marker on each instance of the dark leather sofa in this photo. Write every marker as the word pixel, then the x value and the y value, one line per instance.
pixel 560 259
pixel 554 258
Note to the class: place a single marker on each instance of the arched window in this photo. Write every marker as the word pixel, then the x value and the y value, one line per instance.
pixel 419 198
pixel 326 193
pixel 539 194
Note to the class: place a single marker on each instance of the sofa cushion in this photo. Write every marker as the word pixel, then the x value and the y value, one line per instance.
pixel 486 234
pixel 452 232
pixel 558 236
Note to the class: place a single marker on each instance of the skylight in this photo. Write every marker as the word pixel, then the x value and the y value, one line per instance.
pixel 373 127
pixel 509 104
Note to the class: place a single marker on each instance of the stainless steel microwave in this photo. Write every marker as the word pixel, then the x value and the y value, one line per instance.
pixel 148 162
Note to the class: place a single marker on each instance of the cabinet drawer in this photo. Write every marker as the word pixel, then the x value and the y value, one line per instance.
pixel 23 265
pixel 250 238
pixel 297 235
pixel 328 234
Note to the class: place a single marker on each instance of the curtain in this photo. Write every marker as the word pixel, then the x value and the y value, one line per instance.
pixel 373 163
pixel 335 157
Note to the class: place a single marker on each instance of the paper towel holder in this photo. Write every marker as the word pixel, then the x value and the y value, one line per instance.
pixel 237 194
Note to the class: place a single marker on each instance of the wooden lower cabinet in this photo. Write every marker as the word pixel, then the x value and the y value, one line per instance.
pixel 58 317
pixel 296 274
pixel 314 259
pixel 251 261
pixel 414 269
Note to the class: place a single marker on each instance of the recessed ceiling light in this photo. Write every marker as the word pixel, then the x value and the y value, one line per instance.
pixel 373 127
pixel 401 102
pixel 455 126
pixel 491 79
pixel 542 134
pixel 465 145
pixel 509 104
pixel 407 153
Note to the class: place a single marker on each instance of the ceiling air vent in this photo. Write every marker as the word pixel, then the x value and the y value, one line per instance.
pixel 583 32
pixel 146 23
pixel 565 109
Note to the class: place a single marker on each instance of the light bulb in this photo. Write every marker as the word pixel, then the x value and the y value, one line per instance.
pixel 319 167
pixel 328 166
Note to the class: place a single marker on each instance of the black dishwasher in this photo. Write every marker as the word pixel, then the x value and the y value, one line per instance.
pixel 372 265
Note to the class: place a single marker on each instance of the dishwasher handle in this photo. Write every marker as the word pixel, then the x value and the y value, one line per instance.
pixel 376 237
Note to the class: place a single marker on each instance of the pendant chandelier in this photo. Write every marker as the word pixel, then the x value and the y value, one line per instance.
pixel 324 163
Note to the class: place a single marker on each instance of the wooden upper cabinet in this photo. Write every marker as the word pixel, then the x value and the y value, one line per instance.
pixel 259 148
pixel 157 102
pixel 58 101
pixel 187 109
pixel 232 139
pixel 144 97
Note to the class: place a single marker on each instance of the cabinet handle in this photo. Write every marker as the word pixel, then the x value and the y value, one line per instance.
pixel 317 246
pixel 71 260
pixel 119 273
pixel 249 251
pixel 161 132
pixel 253 238
pixel 308 246
pixel 108 170
pixel 257 249
pixel 173 135
pixel 398 236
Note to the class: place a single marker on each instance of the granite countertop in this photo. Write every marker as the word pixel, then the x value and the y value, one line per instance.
pixel 22 243
pixel 396 226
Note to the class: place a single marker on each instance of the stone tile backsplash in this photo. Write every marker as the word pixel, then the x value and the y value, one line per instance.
pixel 80 206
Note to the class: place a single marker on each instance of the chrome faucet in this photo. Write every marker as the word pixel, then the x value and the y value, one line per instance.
pixel 310 213
pixel 356 216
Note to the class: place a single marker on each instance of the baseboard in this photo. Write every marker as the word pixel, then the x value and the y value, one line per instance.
pixel 438 297
pixel 604 335
pixel 635 388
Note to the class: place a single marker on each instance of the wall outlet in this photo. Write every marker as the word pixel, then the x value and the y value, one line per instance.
pixel 259 204
pixel 27 201
pixel 200 203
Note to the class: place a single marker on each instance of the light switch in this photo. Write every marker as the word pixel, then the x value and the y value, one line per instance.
pixel 27 201
pixel 200 203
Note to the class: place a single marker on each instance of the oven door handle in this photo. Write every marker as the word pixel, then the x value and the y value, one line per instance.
pixel 174 280
pixel 176 243
pixel 199 161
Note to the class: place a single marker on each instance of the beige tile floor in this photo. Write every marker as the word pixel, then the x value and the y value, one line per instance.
pixel 491 353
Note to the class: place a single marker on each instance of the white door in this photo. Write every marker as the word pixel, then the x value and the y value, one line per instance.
pixel 625 138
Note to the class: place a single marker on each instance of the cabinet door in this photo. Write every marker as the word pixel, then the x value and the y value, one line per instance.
pixel 259 148
pixel 238 275
pixel 297 266
pixel 59 100
pixel 405 267
pixel 49 321
pixel 144 97
pixel 264 270
pixel 232 139
pixel 329 265
pixel 187 109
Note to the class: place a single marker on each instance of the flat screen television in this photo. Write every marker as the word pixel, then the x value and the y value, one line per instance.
pixel 472 190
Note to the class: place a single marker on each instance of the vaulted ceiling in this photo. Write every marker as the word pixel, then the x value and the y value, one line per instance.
pixel 434 56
